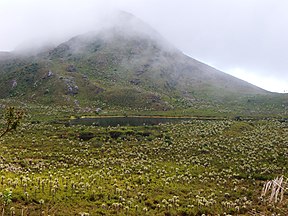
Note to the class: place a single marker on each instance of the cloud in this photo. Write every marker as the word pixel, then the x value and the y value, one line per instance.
pixel 248 34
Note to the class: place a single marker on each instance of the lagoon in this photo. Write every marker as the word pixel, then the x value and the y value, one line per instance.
pixel 126 121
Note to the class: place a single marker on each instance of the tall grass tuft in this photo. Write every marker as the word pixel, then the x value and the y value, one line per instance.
pixel 275 188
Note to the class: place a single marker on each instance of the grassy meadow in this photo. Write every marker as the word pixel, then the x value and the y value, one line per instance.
pixel 197 167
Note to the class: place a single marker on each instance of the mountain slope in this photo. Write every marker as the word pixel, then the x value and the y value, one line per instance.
pixel 127 64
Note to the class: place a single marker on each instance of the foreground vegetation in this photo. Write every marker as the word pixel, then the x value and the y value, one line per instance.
pixel 193 168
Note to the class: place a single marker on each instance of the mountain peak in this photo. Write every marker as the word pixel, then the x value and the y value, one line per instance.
pixel 124 15
pixel 128 25
pixel 126 63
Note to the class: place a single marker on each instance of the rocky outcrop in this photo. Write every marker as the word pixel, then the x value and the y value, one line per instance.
pixel 14 83
pixel 48 74
pixel 71 68
pixel 135 81
pixel 72 88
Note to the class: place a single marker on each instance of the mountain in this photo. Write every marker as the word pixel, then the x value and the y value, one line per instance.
pixel 126 64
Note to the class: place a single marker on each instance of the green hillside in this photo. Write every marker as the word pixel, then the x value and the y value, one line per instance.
pixel 128 66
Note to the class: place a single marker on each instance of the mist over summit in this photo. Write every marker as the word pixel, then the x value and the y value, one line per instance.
pixel 125 63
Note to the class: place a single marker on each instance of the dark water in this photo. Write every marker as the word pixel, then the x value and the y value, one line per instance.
pixel 125 121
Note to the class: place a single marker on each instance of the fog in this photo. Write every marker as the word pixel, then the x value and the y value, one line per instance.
pixel 246 38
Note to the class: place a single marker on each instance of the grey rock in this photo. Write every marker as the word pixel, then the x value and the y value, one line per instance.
pixel 73 90
pixel 98 110
pixel 135 81
pixel 71 68
pixel 46 91
pixel 50 74
pixel 14 83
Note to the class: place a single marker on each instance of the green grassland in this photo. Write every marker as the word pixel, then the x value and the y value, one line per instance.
pixel 191 168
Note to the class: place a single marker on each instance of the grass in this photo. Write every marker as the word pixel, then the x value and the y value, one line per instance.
pixel 191 168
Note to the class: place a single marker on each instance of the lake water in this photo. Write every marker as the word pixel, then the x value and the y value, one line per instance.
pixel 125 121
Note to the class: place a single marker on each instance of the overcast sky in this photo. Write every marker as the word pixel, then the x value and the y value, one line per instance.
pixel 246 38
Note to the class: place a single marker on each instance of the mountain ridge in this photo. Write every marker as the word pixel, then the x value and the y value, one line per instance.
pixel 120 66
